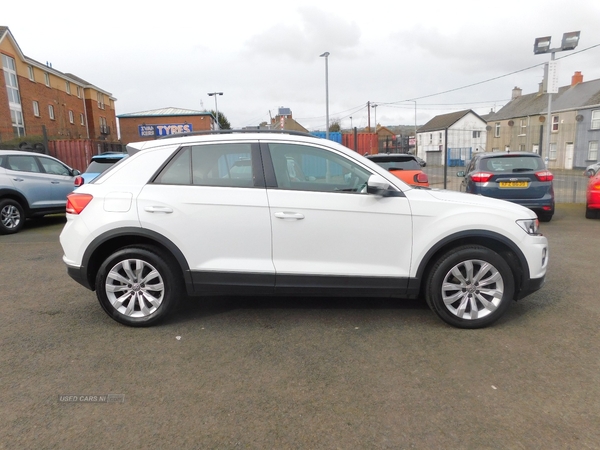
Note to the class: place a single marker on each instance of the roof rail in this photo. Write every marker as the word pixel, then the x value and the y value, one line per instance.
pixel 241 131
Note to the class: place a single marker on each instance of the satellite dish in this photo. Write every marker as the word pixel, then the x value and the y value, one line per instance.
pixel 511 123
pixel 578 117
pixel 542 119
pixel 488 128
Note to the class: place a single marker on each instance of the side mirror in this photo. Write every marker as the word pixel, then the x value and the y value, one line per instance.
pixel 377 185
pixel 589 173
pixel 460 173
pixel 75 172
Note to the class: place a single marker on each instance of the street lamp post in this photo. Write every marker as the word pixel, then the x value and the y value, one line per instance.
pixel 216 94
pixel 540 46
pixel 326 56
pixel 416 154
pixel 374 106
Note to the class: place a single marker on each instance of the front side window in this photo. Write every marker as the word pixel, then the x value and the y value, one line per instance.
pixel 596 119
pixel 225 165
pixel 592 151
pixel 54 167
pixel 306 168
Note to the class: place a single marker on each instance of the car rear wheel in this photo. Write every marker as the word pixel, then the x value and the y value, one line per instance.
pixel 470 287
pixel 137 287
pixel 591 213
pixel 12 216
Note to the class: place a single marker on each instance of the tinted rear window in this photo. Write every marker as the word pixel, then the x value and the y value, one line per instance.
pixel 99 167
pixel 394 162
pixel 512 164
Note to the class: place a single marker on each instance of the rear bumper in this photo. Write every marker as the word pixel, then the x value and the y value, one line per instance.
pixel 79 275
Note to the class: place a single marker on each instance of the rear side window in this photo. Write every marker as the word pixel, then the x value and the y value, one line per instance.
pixel 228 165
pixel 23 163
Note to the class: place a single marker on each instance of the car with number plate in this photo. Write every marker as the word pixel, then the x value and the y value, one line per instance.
pixel 592 198
pixel 285 213
pixel 404 166
pixel 519 177
pixel 98 165
pixel 31 185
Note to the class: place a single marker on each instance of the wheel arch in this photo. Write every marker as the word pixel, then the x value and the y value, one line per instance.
pixel 106 244
pixel 494 241
pixel 18 197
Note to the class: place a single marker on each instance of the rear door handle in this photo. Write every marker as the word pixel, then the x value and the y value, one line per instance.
pixel 55 182
pixel 158 209
pixel 289 216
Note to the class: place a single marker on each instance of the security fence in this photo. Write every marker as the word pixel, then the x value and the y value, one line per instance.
pixel 569 185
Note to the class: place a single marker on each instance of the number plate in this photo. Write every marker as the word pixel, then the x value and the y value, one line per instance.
pixel 513 184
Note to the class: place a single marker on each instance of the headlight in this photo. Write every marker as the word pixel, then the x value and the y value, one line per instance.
pixel 530 226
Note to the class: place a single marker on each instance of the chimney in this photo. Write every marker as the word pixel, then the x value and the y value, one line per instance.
pixel 516 92
pixel 576 78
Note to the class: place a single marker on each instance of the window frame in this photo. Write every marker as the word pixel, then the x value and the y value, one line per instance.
pixel 47 79
pixel 31 73
pixel 71 117
pixel 51 112
pixel 552 151
pixel 595 119
pixel 36 108
pixel 592 154
pixel 497 130
pixel 555 124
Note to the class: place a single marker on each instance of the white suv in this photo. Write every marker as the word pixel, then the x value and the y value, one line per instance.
pixel 258 213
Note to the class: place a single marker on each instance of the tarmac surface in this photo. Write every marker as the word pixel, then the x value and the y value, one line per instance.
pixel 284 373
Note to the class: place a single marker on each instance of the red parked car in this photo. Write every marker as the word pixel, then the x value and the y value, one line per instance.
pixel 592 206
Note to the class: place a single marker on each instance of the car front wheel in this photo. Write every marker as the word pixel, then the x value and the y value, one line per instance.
pixel 137 287
pixel 12 216
pixel 470 287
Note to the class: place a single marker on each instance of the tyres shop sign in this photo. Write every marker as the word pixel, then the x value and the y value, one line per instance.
pixel 164 130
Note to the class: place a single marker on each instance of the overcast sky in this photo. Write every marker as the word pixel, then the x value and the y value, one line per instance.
pixel 265 55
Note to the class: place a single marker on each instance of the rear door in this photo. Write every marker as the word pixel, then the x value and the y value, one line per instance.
pixel 210 201
pixel 60 178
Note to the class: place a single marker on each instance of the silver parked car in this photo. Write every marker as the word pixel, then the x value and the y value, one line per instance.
pixel 31 185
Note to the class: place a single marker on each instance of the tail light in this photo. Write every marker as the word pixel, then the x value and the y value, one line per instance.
pixel 78 181
pixel 421 178
pixel 481 177
pixel 544 175
pixel 77 202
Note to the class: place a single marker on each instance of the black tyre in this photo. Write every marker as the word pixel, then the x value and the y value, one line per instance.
pixel 591 213
pixel 470 287
pixel 12 216
pixel 137 287
pixel 545 217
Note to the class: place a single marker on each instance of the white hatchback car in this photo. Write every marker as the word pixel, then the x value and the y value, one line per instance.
pixel 259 213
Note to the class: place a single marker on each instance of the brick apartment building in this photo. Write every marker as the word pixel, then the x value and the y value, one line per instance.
pixel 37 97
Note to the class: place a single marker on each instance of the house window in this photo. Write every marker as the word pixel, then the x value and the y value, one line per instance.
pixel 552 153
pixel 523 127
pixel 47 78
pixel 81 119
pixel 100 100
pixel 51 111
pixel 440 137
pixel 554 124
pixel 593 151
pixel 71 117
pixel 497 130
pixel 596 119
pixel 476 134
pixel 431 138
pixel 521 147
pixel 36 109
pixel 103 126
pixel 78 91
pixel 14 99
pixel 30 72
pixel 68 87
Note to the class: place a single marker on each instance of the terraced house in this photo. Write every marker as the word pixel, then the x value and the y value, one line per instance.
pixel 39 101
pixel 575 124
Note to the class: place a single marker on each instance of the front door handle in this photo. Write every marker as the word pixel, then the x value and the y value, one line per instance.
pixel 289 215
pixel 158 209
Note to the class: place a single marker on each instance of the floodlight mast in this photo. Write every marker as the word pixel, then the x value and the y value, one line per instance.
pixel 541 46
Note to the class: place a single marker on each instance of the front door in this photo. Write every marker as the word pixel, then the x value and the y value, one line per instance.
pixel 325 224
pixel 569 150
